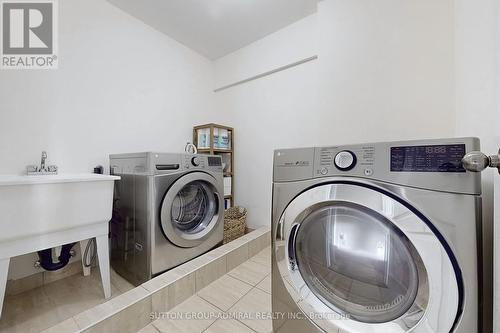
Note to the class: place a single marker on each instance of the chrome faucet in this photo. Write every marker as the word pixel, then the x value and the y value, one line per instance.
pixel 42 164
pixel 43 169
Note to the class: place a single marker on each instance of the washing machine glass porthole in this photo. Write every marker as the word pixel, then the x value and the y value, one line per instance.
pixel 194 207
pixel 358 263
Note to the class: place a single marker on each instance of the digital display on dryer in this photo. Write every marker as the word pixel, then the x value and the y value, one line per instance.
pixel 432 158
pixel 214 161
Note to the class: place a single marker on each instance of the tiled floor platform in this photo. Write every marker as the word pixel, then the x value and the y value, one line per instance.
pixel 238 302
pixel 45 306
pixel 231 278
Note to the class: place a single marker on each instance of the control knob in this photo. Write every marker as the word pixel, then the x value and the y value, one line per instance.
pixel 345 160
pixel 195 161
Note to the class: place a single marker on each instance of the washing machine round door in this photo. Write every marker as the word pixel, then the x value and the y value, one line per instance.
pixel 191 209
pixel 356 258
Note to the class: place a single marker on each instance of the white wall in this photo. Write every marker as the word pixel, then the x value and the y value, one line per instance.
pixel 121 87
pixel 385 72
pixel 295 42
pixel 271 112
pixel 387 69
pixel 276 111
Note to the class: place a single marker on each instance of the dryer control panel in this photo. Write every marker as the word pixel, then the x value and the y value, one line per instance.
pixel 152 163
pixel 429 164
pixel 431 158
pixel 331 160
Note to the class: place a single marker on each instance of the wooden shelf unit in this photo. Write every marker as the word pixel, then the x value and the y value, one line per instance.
pixel 212 150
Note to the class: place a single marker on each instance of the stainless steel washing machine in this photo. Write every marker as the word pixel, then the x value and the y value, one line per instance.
pixel 376 238
pixel 168 209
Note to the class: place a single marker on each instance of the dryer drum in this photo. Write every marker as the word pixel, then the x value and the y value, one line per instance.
pixel 191 206
pixel 365 266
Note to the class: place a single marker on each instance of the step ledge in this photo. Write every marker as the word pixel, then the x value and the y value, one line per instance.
pixel 258 239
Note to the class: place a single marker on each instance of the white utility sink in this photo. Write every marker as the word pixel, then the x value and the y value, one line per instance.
pixel 40 212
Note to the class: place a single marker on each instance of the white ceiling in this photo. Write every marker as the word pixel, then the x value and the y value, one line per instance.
pixel 215 28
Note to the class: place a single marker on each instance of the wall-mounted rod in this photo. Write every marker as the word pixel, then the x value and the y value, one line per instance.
pixel 276 70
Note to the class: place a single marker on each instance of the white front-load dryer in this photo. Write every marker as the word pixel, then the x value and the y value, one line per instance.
pixel 376 238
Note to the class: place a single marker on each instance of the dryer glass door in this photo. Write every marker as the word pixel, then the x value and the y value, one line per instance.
pixel 194 207
pixel 356 252
pixel 355 260
pixel 190 209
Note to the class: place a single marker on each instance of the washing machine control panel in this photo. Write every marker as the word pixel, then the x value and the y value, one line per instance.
pixel 202 162
pixel 431 164
pixel 337 160
pixel 428 158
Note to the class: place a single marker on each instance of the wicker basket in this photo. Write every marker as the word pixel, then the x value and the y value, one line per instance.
pixel 235 223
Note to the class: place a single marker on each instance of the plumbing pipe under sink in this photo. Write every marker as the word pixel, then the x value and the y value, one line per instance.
pixel 46 260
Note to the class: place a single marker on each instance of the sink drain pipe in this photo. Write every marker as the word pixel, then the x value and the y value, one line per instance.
pixel 46 260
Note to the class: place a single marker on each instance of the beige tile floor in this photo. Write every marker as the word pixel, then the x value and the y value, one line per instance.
pixel 48 305
pixel 235 303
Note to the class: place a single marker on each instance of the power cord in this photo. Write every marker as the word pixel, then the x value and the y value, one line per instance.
pixel 92 243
